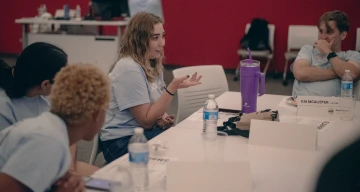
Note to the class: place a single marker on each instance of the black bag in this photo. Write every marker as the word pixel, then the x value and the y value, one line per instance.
pixel 257 38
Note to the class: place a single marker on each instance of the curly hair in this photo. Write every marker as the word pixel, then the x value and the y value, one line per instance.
pixel 78 91
pixel 135 43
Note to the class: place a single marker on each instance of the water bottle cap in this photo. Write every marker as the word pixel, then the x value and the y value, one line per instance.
pixel 347 71
pixel 211 96
pixel 139 130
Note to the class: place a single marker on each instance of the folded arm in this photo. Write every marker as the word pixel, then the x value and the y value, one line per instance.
pixel 306 73
pixel 340 66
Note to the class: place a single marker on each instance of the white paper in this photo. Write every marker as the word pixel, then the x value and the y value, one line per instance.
pixel 321 124
pixel 196 119
pixel 283 103
pixel 119 171
pixel 191 176
pixel 157 167
pixel 283 135
pixel 198 116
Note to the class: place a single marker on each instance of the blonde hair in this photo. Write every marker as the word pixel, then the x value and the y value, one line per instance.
pixel 135 43
pixel 78 91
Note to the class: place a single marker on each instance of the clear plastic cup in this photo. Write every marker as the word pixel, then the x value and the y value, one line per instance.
pixel 347 108
pixel 214 148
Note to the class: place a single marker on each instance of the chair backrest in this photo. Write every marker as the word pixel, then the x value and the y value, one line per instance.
pixel 193 98
pixel 300 35
pixel 358 39
pixel 271 33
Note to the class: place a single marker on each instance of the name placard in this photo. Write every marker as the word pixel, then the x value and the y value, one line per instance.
pixel 318 106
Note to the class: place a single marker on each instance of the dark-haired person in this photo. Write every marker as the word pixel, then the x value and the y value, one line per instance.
pixel 342 171
pixel 28 84
pixel 30 80
pixel 6 108
pixel 34 153
pixel 318 68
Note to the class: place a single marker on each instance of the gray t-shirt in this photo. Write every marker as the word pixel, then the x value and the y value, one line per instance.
pixel 35 151
pixel 14 110
pixel 129 88
pixel 7 116
pixel 28 107
pixel 317 59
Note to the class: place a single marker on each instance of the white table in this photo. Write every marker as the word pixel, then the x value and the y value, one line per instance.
pixel 94 48
pixel 272 169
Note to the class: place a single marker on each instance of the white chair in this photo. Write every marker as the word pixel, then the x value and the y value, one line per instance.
pixel 95 150
pixel 358 39
pixel 193 98
pixel 243 53
pixel 298 36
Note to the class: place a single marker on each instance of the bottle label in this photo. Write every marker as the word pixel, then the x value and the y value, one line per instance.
pixel 139 157
pixel 210 115
pixel 347 85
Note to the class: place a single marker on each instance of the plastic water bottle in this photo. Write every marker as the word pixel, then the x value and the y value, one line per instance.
pixel 139 157
pixel 44 9
pixel 346 84
pixel 41 10
pixel 210 116
pixel 78 12
pixel 346 100
pixel 66 12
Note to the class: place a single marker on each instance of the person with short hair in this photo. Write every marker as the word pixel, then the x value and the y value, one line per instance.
pixel 318 68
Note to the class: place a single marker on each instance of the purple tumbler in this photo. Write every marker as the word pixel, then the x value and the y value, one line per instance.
pixel 250 78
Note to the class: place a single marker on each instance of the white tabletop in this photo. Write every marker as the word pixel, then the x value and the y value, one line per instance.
pixel 272 169
pixel 34 20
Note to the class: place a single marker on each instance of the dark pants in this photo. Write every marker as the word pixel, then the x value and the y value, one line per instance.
pixel 113 149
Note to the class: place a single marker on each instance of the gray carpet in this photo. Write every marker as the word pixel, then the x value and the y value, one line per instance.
pixel 272 86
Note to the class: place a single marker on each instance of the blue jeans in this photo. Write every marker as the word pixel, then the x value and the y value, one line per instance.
pixel 113 149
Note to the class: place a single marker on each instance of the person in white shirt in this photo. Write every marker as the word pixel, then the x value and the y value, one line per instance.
pixel 34 153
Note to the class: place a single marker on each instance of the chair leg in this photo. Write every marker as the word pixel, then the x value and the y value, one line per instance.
pixel 95 150
pixel 267 66
pixel 237 72
pixel 285 83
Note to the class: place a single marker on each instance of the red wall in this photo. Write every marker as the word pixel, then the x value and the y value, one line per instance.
pixel 203 31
